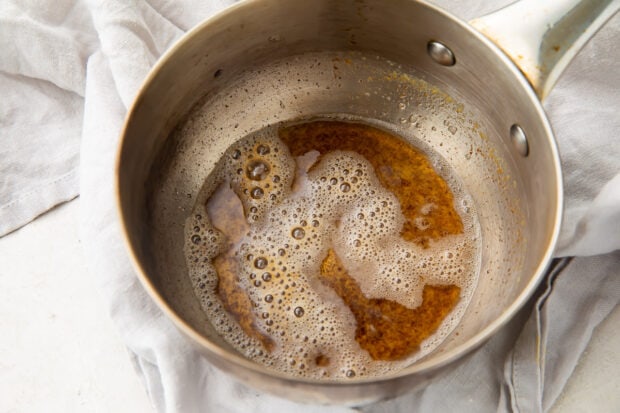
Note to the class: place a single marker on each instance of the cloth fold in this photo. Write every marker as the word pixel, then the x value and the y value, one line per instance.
pixel 43 52
pixel 68 71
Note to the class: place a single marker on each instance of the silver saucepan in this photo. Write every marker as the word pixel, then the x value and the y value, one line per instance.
pixel 403 65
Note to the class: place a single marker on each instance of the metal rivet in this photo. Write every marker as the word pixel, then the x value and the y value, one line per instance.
pixel 440 53
pixel 519 140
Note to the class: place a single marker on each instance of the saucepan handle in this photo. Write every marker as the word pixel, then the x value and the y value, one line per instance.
pixel 543 36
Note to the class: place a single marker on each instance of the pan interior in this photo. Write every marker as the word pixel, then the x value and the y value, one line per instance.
pixel 349 86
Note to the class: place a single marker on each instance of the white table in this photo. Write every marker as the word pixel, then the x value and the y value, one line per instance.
pixel 60 352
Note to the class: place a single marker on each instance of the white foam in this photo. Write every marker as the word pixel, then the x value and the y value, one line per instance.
pixel 338 204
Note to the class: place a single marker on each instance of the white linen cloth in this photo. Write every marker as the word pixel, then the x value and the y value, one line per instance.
pixel 70 68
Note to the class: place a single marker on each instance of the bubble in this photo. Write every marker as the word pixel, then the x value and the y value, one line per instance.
pixel 266 276
pixel 298 233
pixel 262 149
pixel 465 206
pixel 452 129
pixel 281 252
pixel 257 193
pixel 276 179
pixel 298 311
pixel 422 223
pixel 196 239
pixel 345 187
pixel 236 154
pixel 315 223
pixel 268 298
pixel 427 208
pixel 261 263
pixel 257 170
pixel 350 373
pixel 333 181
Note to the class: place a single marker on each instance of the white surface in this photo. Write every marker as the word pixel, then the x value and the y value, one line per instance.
pixel 59 351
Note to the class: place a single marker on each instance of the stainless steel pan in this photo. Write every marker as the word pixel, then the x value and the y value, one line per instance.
pixel 410 67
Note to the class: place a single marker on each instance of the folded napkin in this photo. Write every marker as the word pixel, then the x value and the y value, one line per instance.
pixel 68 72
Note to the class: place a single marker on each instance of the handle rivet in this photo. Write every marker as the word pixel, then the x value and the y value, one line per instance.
pixel 440 53
pixel 519 140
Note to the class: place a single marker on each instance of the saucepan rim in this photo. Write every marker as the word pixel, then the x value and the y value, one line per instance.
pixel 427 365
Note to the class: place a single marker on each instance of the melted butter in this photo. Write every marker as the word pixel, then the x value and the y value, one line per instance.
pixel 403 170
pixel 307 277
pixel 226 214
pixel 387 329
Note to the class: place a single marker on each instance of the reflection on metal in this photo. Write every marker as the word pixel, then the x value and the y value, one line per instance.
pixel 519 140
pixel 440 53
pixel 543 36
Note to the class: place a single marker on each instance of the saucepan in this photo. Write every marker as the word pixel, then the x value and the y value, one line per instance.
pixel 467 95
